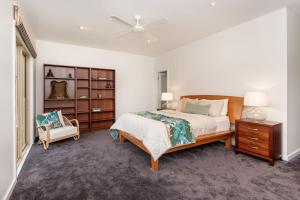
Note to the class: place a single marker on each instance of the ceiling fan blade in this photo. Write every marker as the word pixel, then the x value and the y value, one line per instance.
pixel 156 24
pixel 121 21
pixel 123 34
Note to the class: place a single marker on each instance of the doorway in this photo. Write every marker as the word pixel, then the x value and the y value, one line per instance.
pixel 21 94
pixel 162 86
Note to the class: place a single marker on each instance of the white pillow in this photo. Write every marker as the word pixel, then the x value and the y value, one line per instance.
pixel 225 107
pixel 61 119
pixel 217 107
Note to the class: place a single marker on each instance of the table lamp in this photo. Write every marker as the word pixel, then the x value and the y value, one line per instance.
pixel 255 100
pixel 166 96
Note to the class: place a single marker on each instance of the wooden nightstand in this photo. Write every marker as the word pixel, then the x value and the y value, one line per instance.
pixel 259 138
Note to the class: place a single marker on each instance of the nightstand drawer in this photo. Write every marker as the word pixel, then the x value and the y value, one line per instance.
pixel 259 141
pixel 254 148
pixel 257 130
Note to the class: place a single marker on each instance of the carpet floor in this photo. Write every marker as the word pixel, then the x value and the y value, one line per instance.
pixel 96 167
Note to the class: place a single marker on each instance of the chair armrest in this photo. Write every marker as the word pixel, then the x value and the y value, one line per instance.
pixel 75 121
pixel 42 131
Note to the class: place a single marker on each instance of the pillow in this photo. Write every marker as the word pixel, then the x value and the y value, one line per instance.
pixel 216 106
pixel 61 119
pixel 53 119
pixel 225 107
pixel 182 103
pixel 197 108
pixel 49 119
pixel 42 120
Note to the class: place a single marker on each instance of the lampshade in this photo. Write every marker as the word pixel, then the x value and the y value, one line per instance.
pixel 256 99
pixel 167 96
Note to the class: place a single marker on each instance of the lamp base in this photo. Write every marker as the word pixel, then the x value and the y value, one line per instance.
pixel 256 114
pixel 164 105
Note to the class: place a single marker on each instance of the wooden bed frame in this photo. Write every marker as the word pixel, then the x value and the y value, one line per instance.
pixel 235 107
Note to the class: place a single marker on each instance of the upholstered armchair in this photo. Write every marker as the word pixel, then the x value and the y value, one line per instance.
pixel 48 135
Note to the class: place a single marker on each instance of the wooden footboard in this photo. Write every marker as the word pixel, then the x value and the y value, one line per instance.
pixel 205 139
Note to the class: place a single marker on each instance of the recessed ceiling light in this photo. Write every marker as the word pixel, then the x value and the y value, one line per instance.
pixel 83 28
pixel 213 3
pixel 148 41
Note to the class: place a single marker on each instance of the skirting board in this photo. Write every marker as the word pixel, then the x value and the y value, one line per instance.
pixel 12 186
pixel 293 154
pixel 23 159
pixel 10 190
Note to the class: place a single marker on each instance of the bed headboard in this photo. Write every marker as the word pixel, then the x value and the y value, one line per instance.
pixel 235 104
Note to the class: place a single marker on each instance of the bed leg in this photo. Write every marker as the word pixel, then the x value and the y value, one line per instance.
pixel 154 165
pixel 228 142
pixel 121 138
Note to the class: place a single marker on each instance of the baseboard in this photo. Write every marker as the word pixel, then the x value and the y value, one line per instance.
pixel 10 190
pixel 12 186
pixel 23 159
pixel 293 154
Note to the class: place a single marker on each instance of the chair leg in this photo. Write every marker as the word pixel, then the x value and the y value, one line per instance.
pixel 154 165
pixel 76 137
pixel 45 144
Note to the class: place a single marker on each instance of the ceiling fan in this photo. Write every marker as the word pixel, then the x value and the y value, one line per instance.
pixel 138 27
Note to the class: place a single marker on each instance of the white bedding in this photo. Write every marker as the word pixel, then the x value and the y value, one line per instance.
pixel 154 134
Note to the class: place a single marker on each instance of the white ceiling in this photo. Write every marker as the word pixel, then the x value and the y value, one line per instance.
pixel 186 20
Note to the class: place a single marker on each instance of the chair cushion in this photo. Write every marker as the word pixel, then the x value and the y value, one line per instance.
pixel 62 132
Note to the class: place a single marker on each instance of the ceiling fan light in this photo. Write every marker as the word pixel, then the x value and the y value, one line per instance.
pixel 138 28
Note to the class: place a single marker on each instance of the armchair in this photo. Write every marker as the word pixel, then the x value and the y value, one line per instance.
pixel 47 135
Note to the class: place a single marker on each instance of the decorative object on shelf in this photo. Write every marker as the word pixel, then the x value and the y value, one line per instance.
pixel 108 85
pixel 50 74
pixel 102 78
pixel 255 100
pixel 83 97
pixel 99 96
pixel 58 90
pixel 70 75
pixel 96 109
pixel 167 97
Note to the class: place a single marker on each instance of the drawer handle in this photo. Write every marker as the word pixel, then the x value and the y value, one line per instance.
pixel 253 147
pixel 253 138
pixel 253 129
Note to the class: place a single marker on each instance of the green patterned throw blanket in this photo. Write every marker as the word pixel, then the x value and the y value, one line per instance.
pixel 179 129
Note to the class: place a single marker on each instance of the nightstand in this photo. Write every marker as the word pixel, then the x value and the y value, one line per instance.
pixel 259 138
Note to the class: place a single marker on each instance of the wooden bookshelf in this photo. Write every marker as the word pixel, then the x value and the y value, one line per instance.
pixel 87 88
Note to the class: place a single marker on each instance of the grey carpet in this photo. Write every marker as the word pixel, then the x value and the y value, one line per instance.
pixel 95 167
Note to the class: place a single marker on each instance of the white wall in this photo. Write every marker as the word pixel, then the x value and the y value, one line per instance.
pixel 134 73
pixel 250 56
pixel 293 81
pixel 7 151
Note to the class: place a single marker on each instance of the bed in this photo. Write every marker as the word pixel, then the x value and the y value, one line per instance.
pixel 148 135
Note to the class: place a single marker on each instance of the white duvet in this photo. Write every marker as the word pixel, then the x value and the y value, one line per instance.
pixel 154 134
